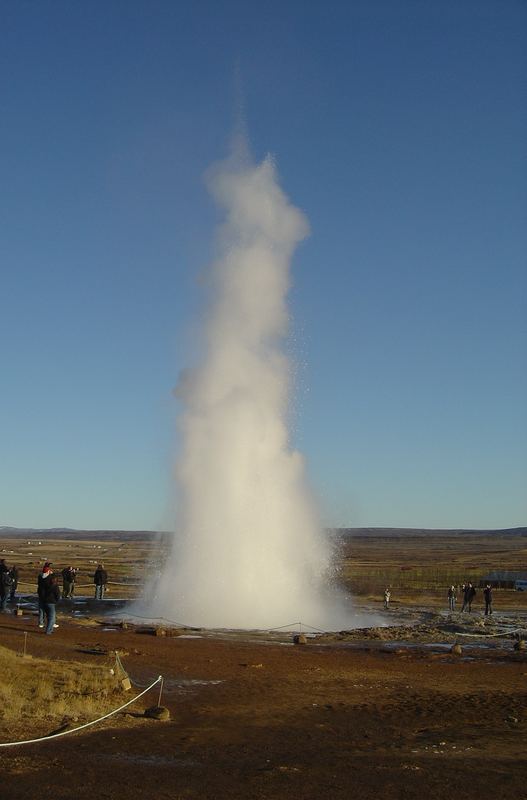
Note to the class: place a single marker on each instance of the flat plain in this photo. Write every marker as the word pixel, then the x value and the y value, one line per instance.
pixel 388 712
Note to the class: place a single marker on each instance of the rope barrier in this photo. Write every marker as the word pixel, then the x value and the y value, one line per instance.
pixel 163 619
pixel 290 627
pixel 87 724
pixel 85 585
pixel 488 635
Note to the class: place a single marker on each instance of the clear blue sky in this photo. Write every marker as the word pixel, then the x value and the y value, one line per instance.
pixel 400 128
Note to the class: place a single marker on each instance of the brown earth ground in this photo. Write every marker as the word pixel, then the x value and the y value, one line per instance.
pixel 370 715
pixel 251 719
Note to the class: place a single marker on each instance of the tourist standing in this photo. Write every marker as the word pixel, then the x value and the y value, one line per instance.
pixel 42 580
pixel 469 596
pixel 487 593
pixel 50 597
pixel 68 581
pixel 387 595
pixel 5 584
pixel 100 580
pixel 14 582
pixel 452 596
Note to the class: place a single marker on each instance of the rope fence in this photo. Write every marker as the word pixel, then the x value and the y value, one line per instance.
pixel 85 585
pixel 87 724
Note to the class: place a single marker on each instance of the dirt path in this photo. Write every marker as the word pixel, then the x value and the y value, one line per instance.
pixel 266 720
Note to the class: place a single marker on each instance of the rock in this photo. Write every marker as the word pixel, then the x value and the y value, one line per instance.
pixel 160 632
pixel 157 712
pixel 520 645
pixel 456 649
pixel 299 638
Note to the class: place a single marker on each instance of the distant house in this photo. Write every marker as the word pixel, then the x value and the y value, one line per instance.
pixel 503 578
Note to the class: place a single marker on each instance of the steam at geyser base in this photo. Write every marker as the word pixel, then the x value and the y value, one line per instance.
pixel 249 550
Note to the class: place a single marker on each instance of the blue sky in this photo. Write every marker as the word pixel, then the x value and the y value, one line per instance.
pixel 400 129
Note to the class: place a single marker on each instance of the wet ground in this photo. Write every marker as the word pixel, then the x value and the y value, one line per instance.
pixel 387 712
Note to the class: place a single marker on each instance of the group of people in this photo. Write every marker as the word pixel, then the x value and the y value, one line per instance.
pixel 48 589
pixel 8 583
pixel 468 593
pixel 49 593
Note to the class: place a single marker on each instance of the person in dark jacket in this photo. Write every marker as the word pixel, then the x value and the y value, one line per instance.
pixel 14 582
pixel 487 593
pixel 470 594
pixel 68 581
pixel 50 597
pixel 43 577
pixel 5 584
pixel 100 580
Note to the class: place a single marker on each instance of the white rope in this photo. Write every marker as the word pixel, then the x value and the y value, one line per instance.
pixel 87 724
pixel 85 585
pixel 487 635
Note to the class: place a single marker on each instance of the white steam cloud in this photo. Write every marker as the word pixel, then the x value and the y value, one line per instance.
pixel 250 551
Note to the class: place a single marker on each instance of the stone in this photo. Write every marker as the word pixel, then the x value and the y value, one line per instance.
pixel 520 645
pixel 299 638
pixel 157 712
pixel 456 649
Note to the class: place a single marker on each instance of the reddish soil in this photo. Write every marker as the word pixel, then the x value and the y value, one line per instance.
pixel 308 722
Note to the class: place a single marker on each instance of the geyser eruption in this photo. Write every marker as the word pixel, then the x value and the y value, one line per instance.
pixel 250 551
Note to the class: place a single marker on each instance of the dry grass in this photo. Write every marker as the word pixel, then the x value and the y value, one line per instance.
pixel 35 691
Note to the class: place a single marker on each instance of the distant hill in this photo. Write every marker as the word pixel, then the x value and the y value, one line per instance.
pixel 66 533
pixel 418 532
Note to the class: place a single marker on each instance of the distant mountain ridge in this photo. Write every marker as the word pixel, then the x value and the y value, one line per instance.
pixel 394 532
pixel 60 533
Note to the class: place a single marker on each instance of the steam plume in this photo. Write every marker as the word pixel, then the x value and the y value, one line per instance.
pixel 250 549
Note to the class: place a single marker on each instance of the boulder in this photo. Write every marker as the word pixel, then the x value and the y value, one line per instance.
pixel 299 638
pixel 157 712
pixel 456 649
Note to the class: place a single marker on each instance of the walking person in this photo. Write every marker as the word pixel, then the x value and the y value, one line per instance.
pixel 452 597
pixel 387 595
pixel 100 580
pixel 50 597
pixel 487 593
